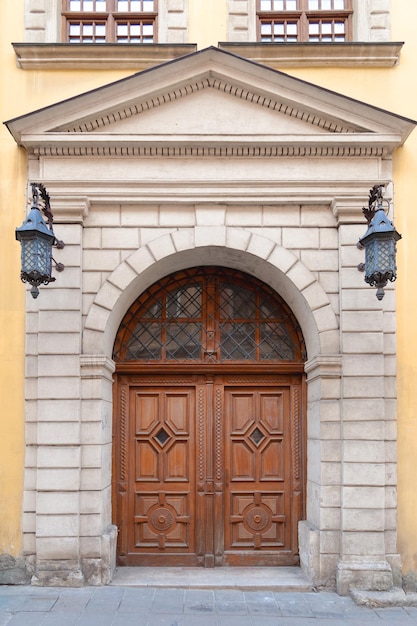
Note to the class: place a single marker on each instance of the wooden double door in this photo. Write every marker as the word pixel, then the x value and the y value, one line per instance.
pixel 208 469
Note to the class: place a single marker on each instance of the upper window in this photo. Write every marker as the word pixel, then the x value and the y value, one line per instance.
pixel 304 20
pixel 109 21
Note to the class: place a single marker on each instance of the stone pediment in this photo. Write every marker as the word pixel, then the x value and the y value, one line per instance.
pixel 211 103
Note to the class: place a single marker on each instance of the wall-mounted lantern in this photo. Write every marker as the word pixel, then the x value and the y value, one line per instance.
pixel 379 242
pixel 36 239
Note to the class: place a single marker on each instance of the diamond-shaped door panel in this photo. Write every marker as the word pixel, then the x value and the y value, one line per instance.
pixel 242 462
pixel 162 437
pixel 176 411
pixel 257 436
pixel 272 461
pixel 147 412
pixel 177 463
pixel 272 411
pixel 146 462
pixel 242 411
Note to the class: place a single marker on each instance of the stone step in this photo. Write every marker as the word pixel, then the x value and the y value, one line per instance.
pixel 244 578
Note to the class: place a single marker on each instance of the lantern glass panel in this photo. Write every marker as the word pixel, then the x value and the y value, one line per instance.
pixel 380 256
pixel 36 257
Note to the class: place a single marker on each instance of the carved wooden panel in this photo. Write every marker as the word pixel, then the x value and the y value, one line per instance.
pixel 209 473
pixel 162 486
pixel 258 455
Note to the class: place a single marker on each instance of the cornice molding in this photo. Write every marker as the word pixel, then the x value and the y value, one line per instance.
pixel 146 192
pixel 63 56
pixel 283 147
pixel 346 54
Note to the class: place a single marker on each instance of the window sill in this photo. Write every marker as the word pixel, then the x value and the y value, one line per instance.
pixel 61 56
pixel 349 54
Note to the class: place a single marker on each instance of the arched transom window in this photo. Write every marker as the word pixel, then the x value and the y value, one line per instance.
pixel 209 315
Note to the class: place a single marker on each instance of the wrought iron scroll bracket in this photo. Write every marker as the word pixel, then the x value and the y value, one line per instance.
pixel 41 199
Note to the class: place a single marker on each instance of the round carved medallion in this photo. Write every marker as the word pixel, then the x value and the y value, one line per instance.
pixel 161 518
pixel 257 519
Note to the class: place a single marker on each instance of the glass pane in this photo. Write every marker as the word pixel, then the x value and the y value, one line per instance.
pixel 266 28
pixel 148 5
pixel 236 303
pixel 326 28
pixel 148 30
pixel 292 5
pixel 88 5
pixel 184 302
pixel 100 30
pixel 101 6
pixel 313 28
pixel 279 29
pixel 339 5
pixel 237 342
pixel 313 5
pixel 87 30
pixel 339 27
pixel 276 343
pixel 134 30
pixel 75 5
pixel 279 5
pixel 122 30
pixel 144 343
pixel 74 30
pixel 183 341
pixel 266 5
pixel 123 5
pixel 292 29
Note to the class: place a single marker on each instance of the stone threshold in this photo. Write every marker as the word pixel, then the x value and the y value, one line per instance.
pixel 283 579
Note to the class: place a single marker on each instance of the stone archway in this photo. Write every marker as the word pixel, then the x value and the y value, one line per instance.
pixel 279 268
pixel 276 266
pixel 210 411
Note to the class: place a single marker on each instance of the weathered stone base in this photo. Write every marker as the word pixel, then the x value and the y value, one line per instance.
pixel 15 570
pixel 383 599
pixel 309 547
pixel 366 575
pixel 93 571
pixel 409 582
pixel 99 571
pixel 51 573
pixel 318 569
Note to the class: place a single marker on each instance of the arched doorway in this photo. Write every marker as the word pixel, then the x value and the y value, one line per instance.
pixel 209 442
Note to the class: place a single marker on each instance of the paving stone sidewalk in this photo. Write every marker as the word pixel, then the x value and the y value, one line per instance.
pixel 129 606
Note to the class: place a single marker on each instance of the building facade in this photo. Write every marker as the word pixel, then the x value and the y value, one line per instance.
pixel 209 382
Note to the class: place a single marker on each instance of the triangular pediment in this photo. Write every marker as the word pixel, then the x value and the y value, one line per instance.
pixel 211 100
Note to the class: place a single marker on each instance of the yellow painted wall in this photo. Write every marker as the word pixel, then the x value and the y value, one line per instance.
pixel 394 89
pixel 207 22
pixel 21 92
pixel 12 166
